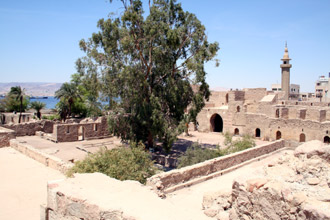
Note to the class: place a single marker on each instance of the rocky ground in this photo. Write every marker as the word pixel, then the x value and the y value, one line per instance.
pixel 295 186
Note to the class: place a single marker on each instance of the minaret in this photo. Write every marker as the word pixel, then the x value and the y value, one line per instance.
pixel 285 66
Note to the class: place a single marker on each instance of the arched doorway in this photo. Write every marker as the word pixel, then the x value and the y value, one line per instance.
pixel 326 139
pixel 236 131
pixel 278 135
pixel 216 123
pixel 302 137
pixel 277 113
pixel 258 132
pixel 81 133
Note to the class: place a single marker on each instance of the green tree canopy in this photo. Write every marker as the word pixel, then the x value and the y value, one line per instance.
pixel 152 61
pixel 37 105
pixel 17 101
pixel 68 94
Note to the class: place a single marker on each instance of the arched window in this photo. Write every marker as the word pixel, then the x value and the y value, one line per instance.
pixel 227 98
pixel 278 135
pixel 238 109
pixel 302 137
pixel 258 132
pixel 236 131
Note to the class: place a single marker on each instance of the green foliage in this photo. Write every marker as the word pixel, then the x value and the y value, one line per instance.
pixel 51 117
pixel 14 101
pixel 150 61
pixel 196 154
pixel 237 145
pixel 37 105
pixel 121 163
pixel 68 94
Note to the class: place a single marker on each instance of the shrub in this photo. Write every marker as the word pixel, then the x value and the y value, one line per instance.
pixel 121 163
pixel 238 145
pixel 51 117
pixel 196 154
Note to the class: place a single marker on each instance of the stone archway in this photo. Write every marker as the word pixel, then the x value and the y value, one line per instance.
pixel 258 132
pixel 236 131
pixel 302 137
pixel 278 135
pixel 216 123
pixel 326 139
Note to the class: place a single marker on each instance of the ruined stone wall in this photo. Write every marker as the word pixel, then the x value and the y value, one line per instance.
pixel 255 94
pixel 82 131
pixel 30 128
pixel 295 186
pixel 169 181
pixel 5 136
pixel 42 157
pixel 218 98
pixel 97 196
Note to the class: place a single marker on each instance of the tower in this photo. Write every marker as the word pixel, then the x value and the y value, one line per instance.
pixel 285 66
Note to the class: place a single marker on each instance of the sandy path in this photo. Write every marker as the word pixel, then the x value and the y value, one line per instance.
pixel 23 185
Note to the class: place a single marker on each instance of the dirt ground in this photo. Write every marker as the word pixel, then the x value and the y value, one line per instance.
pixel 23 185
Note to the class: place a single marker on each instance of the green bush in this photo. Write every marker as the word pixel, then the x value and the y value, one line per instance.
pixel 196 154
pixel 238 145
pixel 120 163
pixel 51 117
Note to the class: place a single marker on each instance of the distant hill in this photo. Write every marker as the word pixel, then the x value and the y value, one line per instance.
pixel 32 88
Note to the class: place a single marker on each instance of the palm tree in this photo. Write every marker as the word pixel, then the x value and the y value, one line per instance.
pixel 69 93
pixel 18 93
pixel 38 106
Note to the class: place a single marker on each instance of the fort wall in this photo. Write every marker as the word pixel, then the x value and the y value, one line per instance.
pixel 179 178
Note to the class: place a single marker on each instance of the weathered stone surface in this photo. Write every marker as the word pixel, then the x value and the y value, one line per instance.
pixel 295 188
pixel 96 196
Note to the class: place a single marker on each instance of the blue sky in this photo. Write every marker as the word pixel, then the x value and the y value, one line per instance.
pixel 39 39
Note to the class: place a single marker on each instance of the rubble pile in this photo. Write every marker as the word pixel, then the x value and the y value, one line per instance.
pixel 296 186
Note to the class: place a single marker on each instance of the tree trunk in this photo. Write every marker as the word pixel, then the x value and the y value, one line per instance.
pixel 20 110
pixel 39 115
pixel 150 140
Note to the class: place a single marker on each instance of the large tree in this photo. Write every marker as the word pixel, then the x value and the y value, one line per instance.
pixel 151 61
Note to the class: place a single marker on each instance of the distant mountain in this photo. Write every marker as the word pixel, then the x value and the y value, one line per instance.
pixel 32 88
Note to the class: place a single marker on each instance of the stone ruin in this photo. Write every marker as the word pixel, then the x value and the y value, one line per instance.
pixel 295 187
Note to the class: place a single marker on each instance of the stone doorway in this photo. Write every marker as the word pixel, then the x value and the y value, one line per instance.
pixel 278 135
pixel 216 123
pixel 258 132
pixel 326 139
pixel 236 131
pixel 81 133
pixel 302 138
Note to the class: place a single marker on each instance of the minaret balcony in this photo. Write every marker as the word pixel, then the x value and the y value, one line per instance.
pixel 286 65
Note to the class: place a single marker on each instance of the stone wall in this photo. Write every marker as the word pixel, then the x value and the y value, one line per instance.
pixel 5 136
pixel 295 186
pixel 170 181
pixel 85 130
pixel 30 128
pixel 255 94
pixel 46 159
pixel 97 196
